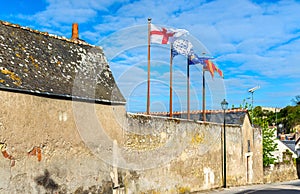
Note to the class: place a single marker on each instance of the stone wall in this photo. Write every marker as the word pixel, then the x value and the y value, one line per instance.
pixel 71 147
pixel 283 171
pixel 64 163
pixel 194 161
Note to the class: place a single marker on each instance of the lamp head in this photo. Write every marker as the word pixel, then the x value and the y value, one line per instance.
pixel 224 104
pixel 253 89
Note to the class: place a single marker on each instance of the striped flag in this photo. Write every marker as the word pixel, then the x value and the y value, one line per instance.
pixel 211 67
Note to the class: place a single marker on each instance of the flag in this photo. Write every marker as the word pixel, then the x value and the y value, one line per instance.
pixel 182 47
pixel 194 59
pixel 174 52
pixel 220 72
pixel 211 67
pixel 165 36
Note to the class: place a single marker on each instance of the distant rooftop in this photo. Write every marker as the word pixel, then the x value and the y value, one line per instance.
pixel 290 144
pixel 271 109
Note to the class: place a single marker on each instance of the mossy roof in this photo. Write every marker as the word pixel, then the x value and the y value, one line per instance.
pixel 39 63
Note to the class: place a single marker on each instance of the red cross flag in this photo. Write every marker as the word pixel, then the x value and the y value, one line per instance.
pixel 162 35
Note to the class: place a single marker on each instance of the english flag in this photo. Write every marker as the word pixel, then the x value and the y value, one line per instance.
pixel 161 35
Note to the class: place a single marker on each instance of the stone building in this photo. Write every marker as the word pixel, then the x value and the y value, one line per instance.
pixel 42 79
pixel 64 128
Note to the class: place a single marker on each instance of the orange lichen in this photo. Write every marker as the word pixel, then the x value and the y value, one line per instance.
pixel 184 190
pixel 197 138
pixel 17 54
pixel 13 76
pixel 36 151
pixel 39 154
pixel 33 61
pixel 2 81
pixel 6 154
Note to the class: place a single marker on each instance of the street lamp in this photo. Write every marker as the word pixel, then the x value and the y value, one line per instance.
pixel 252 90
pixel 224 105
pixel 280 126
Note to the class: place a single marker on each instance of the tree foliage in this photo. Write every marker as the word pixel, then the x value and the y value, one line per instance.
pixel 269 145
pixel 296 100
pixel 289 117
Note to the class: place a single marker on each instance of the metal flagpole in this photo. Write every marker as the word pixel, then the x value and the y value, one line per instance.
pixel 171 80
pixel 148 80
pixel 203 94
pixel 188 89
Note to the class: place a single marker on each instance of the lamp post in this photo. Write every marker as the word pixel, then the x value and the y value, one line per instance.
pixel 224 105
pixel 252 90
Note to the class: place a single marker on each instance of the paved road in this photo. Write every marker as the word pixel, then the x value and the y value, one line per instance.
pixel 291 187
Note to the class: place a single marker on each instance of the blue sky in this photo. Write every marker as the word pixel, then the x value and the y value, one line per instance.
pixel 253 42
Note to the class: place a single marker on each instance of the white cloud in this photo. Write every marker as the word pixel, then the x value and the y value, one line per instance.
pixel 254 43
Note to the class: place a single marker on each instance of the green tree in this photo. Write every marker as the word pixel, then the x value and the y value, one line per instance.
pixel 258 112
pixel 289 117
pixel 296 100
pixel 269 145
pixel 258 116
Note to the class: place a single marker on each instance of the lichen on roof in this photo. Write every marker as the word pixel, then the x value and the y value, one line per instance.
pixel 39 63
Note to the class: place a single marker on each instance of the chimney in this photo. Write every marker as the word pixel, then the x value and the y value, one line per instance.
pixel 75 31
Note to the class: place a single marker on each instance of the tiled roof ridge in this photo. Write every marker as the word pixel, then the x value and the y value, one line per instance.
pixel 199 111
pixel 75 41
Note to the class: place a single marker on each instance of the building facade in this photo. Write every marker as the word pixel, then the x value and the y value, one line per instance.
pixel 64 128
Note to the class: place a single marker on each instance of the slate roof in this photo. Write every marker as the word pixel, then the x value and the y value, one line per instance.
pixel 231 117
pixel 234 116
pixel 297 141
pixel 290 144
pixel 42 64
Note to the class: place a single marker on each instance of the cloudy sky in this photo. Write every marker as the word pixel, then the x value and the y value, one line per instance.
pixel 255 43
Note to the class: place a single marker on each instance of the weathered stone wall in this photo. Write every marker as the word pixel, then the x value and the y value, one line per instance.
pixel 283 171
pixel 245 155
pixel 257 156
pixel 59 145
pixel 66 163
pixel 198 163
pixel 185 156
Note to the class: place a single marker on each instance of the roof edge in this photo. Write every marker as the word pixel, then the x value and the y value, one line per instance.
pixel 75 41
pixel 198 111
pixel 181 119
pixel 62 97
